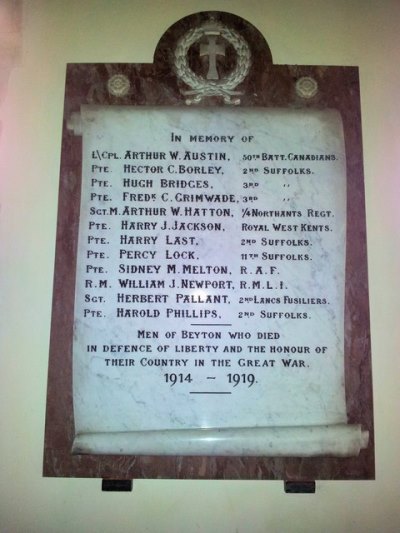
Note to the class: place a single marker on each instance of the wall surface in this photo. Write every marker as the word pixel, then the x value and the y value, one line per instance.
pixel 32 69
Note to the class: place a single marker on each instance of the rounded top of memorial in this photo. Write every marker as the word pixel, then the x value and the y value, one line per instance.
pixel 212 52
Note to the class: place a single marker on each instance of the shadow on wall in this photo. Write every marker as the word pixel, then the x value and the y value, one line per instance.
pixel 10 40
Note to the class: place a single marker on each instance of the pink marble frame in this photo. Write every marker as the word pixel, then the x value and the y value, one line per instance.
pixel 267 85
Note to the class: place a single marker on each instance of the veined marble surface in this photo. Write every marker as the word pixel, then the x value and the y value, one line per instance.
pixel 234 250
pixel 304 441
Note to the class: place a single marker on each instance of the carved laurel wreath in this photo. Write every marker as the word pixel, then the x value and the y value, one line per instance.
pixel 202 87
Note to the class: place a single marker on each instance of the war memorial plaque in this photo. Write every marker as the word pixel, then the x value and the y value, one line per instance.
pixel 210 315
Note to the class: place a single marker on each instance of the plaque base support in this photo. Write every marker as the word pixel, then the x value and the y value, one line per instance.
pixel 116 485
pixel 299 487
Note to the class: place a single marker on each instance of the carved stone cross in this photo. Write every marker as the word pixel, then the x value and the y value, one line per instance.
pixel 212 49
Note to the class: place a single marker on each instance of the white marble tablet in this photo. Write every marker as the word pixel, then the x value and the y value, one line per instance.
pixel 209 308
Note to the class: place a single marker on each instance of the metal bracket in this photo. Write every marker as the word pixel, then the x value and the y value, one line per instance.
pixel 116 485
pixel 299 487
